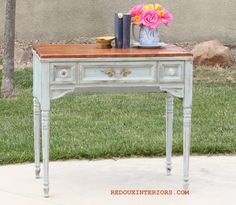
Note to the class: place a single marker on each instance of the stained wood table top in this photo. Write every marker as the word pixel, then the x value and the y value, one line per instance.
pixel 90 51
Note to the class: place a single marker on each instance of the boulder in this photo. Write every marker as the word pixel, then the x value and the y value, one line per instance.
pixel 211 53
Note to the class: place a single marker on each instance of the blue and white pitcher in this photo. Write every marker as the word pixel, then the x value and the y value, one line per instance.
pixel 147 36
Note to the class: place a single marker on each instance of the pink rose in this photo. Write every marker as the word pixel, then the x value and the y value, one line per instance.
pixel 137 10
pixel 167 17
pixel 150 18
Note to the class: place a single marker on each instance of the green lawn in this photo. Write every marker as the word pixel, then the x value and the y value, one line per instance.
pixel 121 125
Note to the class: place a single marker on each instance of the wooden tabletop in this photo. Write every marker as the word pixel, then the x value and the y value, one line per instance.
pixel 90 51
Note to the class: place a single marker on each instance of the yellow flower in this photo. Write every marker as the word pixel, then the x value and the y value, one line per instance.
pixel 161 13
pixel 136 19
pixel 158 7
pixel 148 7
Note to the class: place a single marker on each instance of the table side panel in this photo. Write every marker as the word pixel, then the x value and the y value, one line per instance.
pixel 63 73
pixel 171 72
pixel 37 77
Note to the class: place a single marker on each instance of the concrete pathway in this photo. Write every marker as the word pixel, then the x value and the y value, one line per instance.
pixel 213 181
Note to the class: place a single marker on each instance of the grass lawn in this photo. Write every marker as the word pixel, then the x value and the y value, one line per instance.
pixel 121 125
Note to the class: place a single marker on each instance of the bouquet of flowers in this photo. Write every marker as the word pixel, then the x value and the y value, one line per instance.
pixel 150 15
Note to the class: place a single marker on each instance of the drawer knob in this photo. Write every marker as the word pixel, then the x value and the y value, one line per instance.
pixel 110 72
pixel 125 72
pixel 171 71
pixel 64 73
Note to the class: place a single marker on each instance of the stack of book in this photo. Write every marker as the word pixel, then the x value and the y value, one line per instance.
pixel 122 30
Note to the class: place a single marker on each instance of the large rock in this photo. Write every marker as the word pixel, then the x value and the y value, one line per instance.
pixel 211 53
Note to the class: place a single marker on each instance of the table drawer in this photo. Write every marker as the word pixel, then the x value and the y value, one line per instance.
pixel 117 72
pixel 63 73
pixel 171 72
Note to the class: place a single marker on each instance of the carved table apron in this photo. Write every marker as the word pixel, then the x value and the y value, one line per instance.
pixel 62 69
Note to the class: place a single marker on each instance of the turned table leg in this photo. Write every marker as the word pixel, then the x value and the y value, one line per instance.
pixel 186 144
pixel 169 131
pixel 187 113
pixel 37 137
pixel 45 144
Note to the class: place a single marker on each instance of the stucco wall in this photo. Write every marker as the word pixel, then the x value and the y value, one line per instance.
pixel 52 20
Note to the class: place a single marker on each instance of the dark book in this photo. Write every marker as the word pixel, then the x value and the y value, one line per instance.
pixel 126 30
pixel 119 30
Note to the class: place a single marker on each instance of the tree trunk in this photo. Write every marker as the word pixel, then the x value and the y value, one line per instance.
pixel 9 44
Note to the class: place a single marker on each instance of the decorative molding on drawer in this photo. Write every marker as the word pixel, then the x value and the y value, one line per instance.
pixel 171 71
pixel 118 72
pixel 63 73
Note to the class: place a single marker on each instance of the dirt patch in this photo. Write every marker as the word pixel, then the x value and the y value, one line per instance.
pixel 233 56
pixel 187 45
pixel 215 75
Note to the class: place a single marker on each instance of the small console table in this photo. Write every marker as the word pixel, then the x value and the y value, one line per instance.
pixel 62 69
